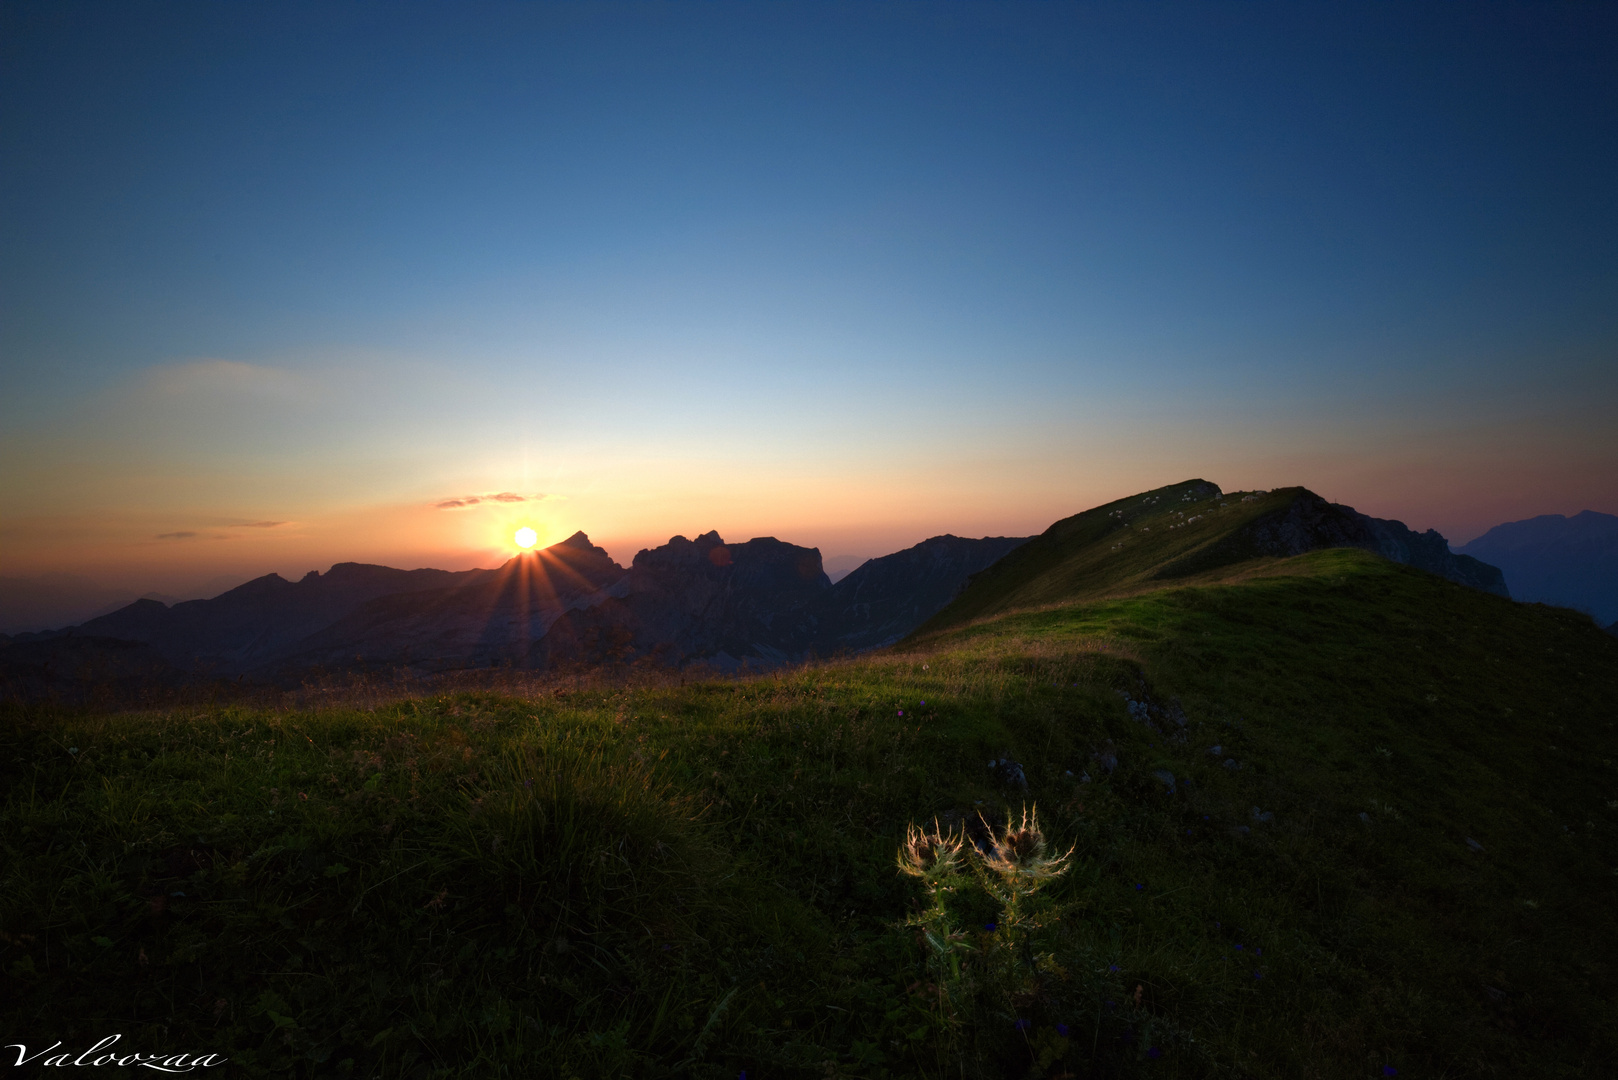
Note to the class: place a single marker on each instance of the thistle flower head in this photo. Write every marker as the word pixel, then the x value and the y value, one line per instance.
pixel 1019 851
pixel 931 856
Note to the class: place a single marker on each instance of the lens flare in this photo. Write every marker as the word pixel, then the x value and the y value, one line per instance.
pixel 526 537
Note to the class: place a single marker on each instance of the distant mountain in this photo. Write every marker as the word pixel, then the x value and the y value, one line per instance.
pixel 884 599
pixel 1192 532
pixel 764 602
pixel 478 618
pixel 1552 559
pixel 35 603
pixel 728 606
pixel 255 625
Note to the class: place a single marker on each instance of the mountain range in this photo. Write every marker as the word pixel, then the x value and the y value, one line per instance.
pixel 723 606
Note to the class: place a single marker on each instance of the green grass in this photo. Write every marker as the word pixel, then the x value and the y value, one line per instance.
pixel 1124 547
pixel 700 879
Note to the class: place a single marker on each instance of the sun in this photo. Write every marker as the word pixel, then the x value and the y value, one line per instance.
pixel 526 537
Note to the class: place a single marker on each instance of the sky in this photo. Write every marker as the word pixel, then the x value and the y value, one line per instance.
pixel 281 284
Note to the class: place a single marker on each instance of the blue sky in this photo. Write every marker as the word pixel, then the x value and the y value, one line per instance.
pixel 851 275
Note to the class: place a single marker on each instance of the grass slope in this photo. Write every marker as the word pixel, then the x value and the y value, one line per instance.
pixel 1121 547
pixel 698 880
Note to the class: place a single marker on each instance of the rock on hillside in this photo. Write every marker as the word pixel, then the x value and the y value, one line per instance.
pixel 1551 559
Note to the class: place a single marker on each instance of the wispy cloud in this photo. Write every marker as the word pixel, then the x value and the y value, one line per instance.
pixel 261 524
pixel 176 536
pixel 466 501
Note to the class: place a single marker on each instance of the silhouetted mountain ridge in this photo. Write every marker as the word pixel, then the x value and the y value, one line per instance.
pixel 1552 559
pixel 761 603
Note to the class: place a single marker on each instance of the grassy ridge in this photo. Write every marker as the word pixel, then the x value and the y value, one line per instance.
pixel 666 880
pixel 1122 547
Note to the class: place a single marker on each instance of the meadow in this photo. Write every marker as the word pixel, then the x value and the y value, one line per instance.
pixel 1331 817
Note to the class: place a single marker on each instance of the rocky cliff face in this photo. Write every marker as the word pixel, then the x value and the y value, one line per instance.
pixel 1308 523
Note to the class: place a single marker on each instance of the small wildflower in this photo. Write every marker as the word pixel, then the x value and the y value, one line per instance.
pixel 528 783
pixel 1238 948
pixel 1389 1070
pixel 989 926
pixel 1258 974
pixel 901 712
pixel 1024 1025
pixel 1139 886
pixel 1112 967
pixel 1154 1053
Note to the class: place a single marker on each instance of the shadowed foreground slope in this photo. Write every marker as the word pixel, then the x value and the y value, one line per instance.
pixel 1340 816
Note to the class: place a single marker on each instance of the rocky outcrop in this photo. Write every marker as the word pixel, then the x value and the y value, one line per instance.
pixel 1308 523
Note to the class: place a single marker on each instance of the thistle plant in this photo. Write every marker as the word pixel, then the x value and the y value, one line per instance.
pixel 1011 867
pixel 1017 864
pixel 931 856
pixel 935 858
